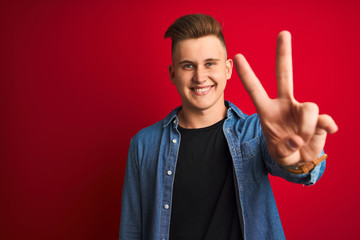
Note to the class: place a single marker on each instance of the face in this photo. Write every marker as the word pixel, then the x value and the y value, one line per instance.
pixel 200 71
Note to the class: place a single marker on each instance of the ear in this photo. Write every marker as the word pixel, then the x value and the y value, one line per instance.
pixel 172 73
pixel 229 67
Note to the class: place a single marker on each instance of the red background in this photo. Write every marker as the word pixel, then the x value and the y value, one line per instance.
pixel 79 78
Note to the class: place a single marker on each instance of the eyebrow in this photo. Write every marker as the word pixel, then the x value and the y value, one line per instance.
pixel 206 60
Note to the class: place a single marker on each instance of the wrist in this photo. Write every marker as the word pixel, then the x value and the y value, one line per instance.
pixel 307 167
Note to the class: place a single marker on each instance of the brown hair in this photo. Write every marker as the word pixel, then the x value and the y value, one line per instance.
pixel 194 26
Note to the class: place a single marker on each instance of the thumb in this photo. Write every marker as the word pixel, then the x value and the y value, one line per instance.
pixel 285 148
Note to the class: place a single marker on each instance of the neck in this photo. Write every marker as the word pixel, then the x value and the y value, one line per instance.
pixel 189 118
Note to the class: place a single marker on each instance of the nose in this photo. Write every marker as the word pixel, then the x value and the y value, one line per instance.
pixel 200 75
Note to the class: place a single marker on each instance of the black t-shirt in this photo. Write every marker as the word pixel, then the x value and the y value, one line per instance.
pixel 204 201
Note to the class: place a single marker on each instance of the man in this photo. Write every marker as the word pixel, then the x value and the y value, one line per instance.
pixel 202 172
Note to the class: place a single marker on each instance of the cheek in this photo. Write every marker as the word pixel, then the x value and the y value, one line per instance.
pixel 180 85
pixel 219 76
pixel 183 78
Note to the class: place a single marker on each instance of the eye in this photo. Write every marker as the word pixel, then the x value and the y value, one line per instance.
pixel 188 66
pixel 209 64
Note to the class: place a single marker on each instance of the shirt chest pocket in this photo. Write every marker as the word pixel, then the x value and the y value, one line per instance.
pixel 252 167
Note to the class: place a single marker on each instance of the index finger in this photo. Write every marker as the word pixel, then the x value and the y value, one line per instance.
pixel 284 71
pixel 250 81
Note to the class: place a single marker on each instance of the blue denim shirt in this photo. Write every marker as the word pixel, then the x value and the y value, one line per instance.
pixel 151 166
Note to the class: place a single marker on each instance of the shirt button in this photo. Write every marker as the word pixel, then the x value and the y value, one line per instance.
pixel 174 121
pixel 166 206
pixel 174 140
pixel 169 172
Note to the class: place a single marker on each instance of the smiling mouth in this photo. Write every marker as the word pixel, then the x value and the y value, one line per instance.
pixel 201 90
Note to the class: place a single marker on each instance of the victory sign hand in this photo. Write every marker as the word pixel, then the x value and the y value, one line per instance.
pixel 295 132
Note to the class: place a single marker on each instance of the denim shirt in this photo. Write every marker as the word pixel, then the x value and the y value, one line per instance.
pixel 151 167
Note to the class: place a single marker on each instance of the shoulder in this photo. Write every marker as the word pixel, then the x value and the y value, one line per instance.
pixel 148 132
pixel 154 132
pixel 242 119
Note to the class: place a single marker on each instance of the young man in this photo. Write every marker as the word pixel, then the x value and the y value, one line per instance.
pixel 202 172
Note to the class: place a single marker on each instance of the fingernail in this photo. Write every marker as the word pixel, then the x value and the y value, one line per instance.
pixel 292 144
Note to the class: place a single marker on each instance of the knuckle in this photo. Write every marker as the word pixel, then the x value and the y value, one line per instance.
pixel 311 107
pixel 326 117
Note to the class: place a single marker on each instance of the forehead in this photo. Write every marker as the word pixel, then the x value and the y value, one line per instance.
pixel 197 49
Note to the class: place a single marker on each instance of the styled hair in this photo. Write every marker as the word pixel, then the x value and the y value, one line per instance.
pixel 194 26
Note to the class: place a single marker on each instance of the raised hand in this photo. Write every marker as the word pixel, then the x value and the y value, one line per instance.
pixel 295 132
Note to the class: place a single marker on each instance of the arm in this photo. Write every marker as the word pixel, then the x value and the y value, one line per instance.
pixel 295 132
pixel 130 222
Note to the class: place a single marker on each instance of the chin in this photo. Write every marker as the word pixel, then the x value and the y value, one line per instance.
pixel 202 106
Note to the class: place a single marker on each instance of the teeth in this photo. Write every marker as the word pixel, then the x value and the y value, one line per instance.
pixel 201 89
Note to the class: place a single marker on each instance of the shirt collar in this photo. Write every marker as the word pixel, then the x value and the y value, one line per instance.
pixel 172 116
pixel 234 109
